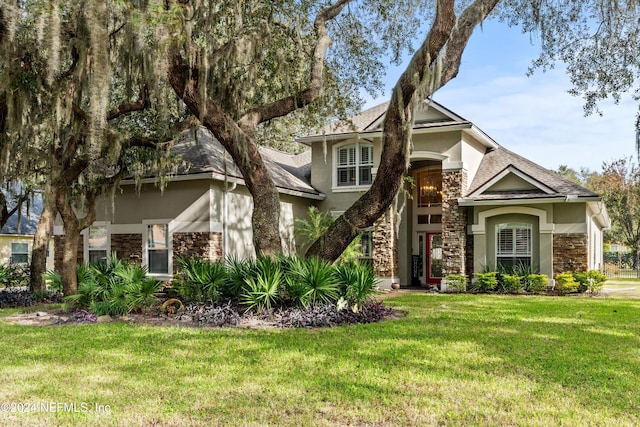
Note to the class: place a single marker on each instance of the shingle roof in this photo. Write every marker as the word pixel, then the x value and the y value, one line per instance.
pixel 204 154
pixel 497 160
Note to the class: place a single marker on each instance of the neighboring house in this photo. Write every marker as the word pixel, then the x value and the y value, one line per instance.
pixel 475 205
pixel 16 237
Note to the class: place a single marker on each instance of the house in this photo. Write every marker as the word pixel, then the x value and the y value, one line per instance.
pixel 16 237
pixel 474 204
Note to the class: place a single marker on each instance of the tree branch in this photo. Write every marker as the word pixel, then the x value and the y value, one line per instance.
pixel 252 118
pixel 142 103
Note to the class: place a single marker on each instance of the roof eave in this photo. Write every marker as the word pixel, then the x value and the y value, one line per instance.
pixel 467 201
pixel 335 137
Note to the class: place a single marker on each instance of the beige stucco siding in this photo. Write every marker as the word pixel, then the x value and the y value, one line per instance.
pixel 446 144
pixel 152 203
pixel 472 154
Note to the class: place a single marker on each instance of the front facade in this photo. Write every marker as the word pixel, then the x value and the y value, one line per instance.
pixel 471 205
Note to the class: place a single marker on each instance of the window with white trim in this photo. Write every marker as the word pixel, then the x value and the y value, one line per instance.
pixel 353 164
pixel 97 243
pixel 366 247
pixel 513 245
pixel 158 248
pixel 19 253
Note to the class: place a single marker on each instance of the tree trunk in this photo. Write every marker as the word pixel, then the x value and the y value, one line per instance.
pixel 70 258
pixel 435 63
pixel 244 152
pixel 41 240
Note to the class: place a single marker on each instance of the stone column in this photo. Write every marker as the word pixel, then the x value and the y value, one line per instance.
pixel 454 222
pixel 385 248
pixel 570 252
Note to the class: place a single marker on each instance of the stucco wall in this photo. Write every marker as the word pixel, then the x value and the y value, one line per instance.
pixel 5 247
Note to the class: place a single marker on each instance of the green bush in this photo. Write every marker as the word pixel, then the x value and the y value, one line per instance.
pixel 13 275
pixel 565 283
pixel 114 288
pixel 199 280
pixel 237 270
pixel 485 282
pixel 54 280
pixel 536 283
pixel 512 284
pixel 310 281
pixel 590 281
pixel 262 290
pixel 456 283
pixel 357 282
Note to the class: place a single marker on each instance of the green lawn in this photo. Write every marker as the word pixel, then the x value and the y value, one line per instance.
pixel 454 360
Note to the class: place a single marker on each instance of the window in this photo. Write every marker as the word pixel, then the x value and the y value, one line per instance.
pixel 19 253
pixel 158 248
pixel 513 246
pixel 97 243
pixel 429 188
pixel 366 247
pixel 353 164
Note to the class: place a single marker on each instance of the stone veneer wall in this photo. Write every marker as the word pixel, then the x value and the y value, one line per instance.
pixel 58 248
pixel 454 223
pixel 469 256
pixel 207 245
pixel 570 252
pixel 385 246
pixel 127 246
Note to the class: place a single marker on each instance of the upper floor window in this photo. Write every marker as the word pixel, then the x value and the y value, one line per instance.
pixel 19 253
pixel 429 188
pixel 353 164
pixel 514 245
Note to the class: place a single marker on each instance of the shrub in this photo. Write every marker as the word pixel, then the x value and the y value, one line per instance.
pixel 114 288
pixel 456 283
pixel 262 290
pixel 311 280
pixel 536 283
pixel 512 283
pixel 199 280
pixel 54 280
pixel 565 283
pixel 590 281
pixel 14 275
pixel 237 271
pixel 485 282
pixel 357 282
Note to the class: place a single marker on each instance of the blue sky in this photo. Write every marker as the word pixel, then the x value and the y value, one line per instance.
pixel 532 116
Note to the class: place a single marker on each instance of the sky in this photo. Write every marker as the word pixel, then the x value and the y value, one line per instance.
pixel 531 116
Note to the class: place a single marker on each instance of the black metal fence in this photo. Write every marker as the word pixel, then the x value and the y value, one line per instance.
pixel 618 265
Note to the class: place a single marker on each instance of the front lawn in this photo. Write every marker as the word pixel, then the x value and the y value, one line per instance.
pixel 454 360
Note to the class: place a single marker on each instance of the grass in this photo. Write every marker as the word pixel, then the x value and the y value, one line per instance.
pixel 453 360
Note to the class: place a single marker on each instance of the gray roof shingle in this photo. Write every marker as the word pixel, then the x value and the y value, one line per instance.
pixel 204 154
pixel 496 160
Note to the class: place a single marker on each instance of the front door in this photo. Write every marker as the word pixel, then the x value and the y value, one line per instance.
pixel 434 258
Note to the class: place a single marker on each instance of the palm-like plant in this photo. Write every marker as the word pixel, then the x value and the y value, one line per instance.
pixel 201 280
pixel 357 282
pixel 262 290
